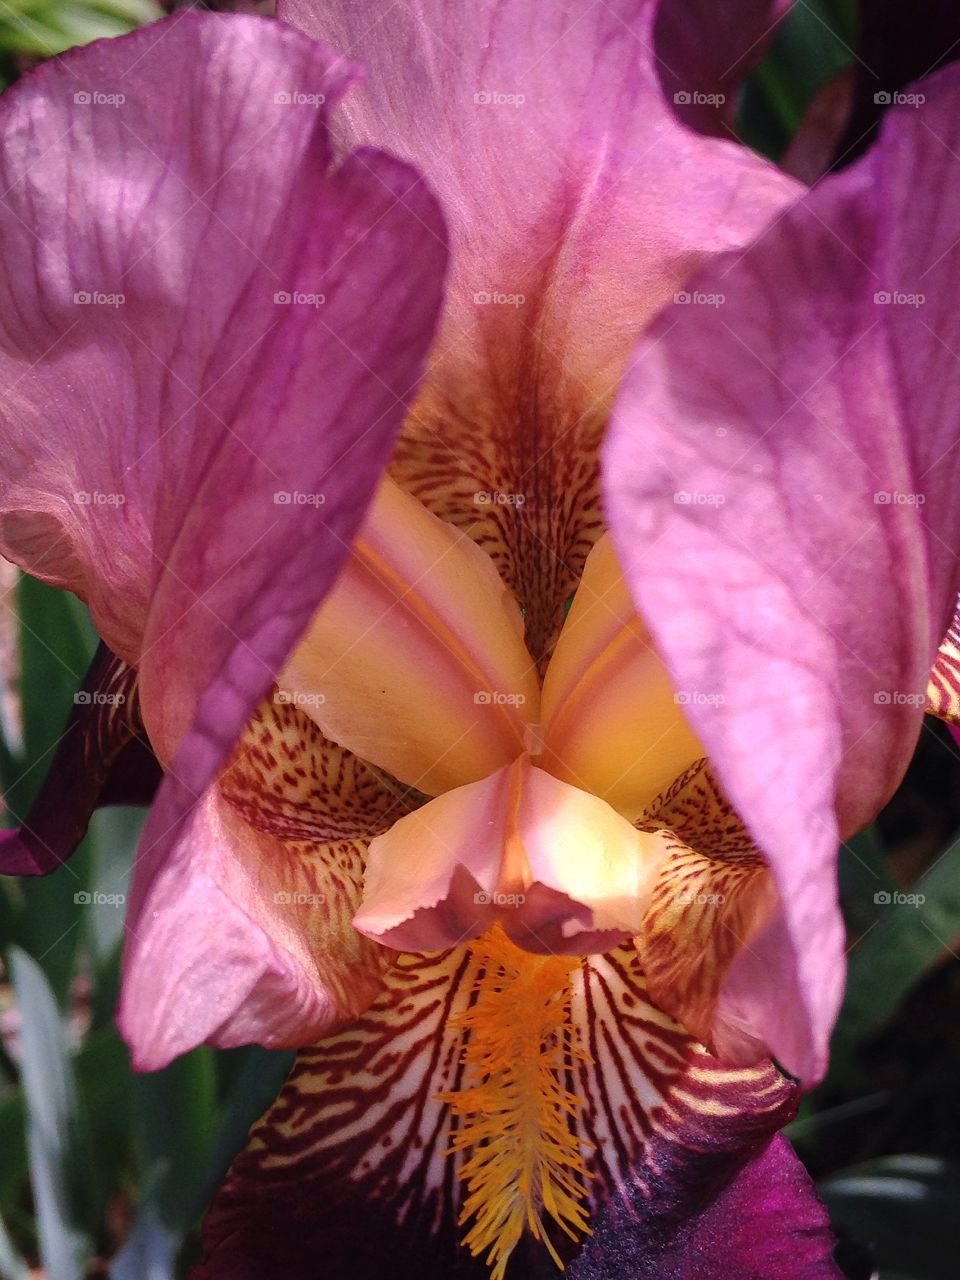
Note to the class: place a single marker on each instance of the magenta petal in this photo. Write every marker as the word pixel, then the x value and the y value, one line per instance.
pixel 781 479
pixel 768 1224
pixel 210 338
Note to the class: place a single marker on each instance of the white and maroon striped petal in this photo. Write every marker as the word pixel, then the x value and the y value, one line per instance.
pixel 351 1165
pixel 943 691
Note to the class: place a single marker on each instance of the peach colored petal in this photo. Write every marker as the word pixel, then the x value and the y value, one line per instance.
pixel 612 721
pixel 416 660
pixel 556 866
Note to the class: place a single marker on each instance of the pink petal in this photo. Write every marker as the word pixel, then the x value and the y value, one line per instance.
pixel 180 413
pixel 782 479
pixel 578 204
pixel 210 956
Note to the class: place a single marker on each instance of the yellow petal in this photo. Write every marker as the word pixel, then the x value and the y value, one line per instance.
pixel 416 660
pixel 559 869
pixel 612 723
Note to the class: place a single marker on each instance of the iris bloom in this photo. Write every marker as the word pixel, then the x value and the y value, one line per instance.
pixel 509 781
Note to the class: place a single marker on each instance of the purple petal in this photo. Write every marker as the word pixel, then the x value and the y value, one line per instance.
pixel 768 1224
pixel 102 758
pixel 703 57
pixel 192 445
pixel 578 205
pixel 568 182
pixel 781 480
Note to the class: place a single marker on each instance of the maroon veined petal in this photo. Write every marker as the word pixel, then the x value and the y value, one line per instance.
pixel 350 1165
pixel 209 337
pixel 781 482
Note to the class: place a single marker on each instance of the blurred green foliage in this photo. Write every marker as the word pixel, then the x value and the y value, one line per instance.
pixel 95 1161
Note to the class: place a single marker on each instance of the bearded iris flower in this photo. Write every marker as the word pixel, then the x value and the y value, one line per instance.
pixel 508 781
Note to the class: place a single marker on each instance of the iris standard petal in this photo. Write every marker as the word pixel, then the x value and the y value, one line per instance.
pixel 781 482
pixel 613 723
pixel 578 205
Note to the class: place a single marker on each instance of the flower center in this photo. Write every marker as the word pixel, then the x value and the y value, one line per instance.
pixel 416 662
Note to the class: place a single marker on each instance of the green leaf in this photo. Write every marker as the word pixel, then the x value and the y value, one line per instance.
pixel 56 646
pixel 176 1109
pixel 13 1144
pixel 44 28
pixel 57 1164
pixel 814 43
pixel 252 1090
pixel 911 929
